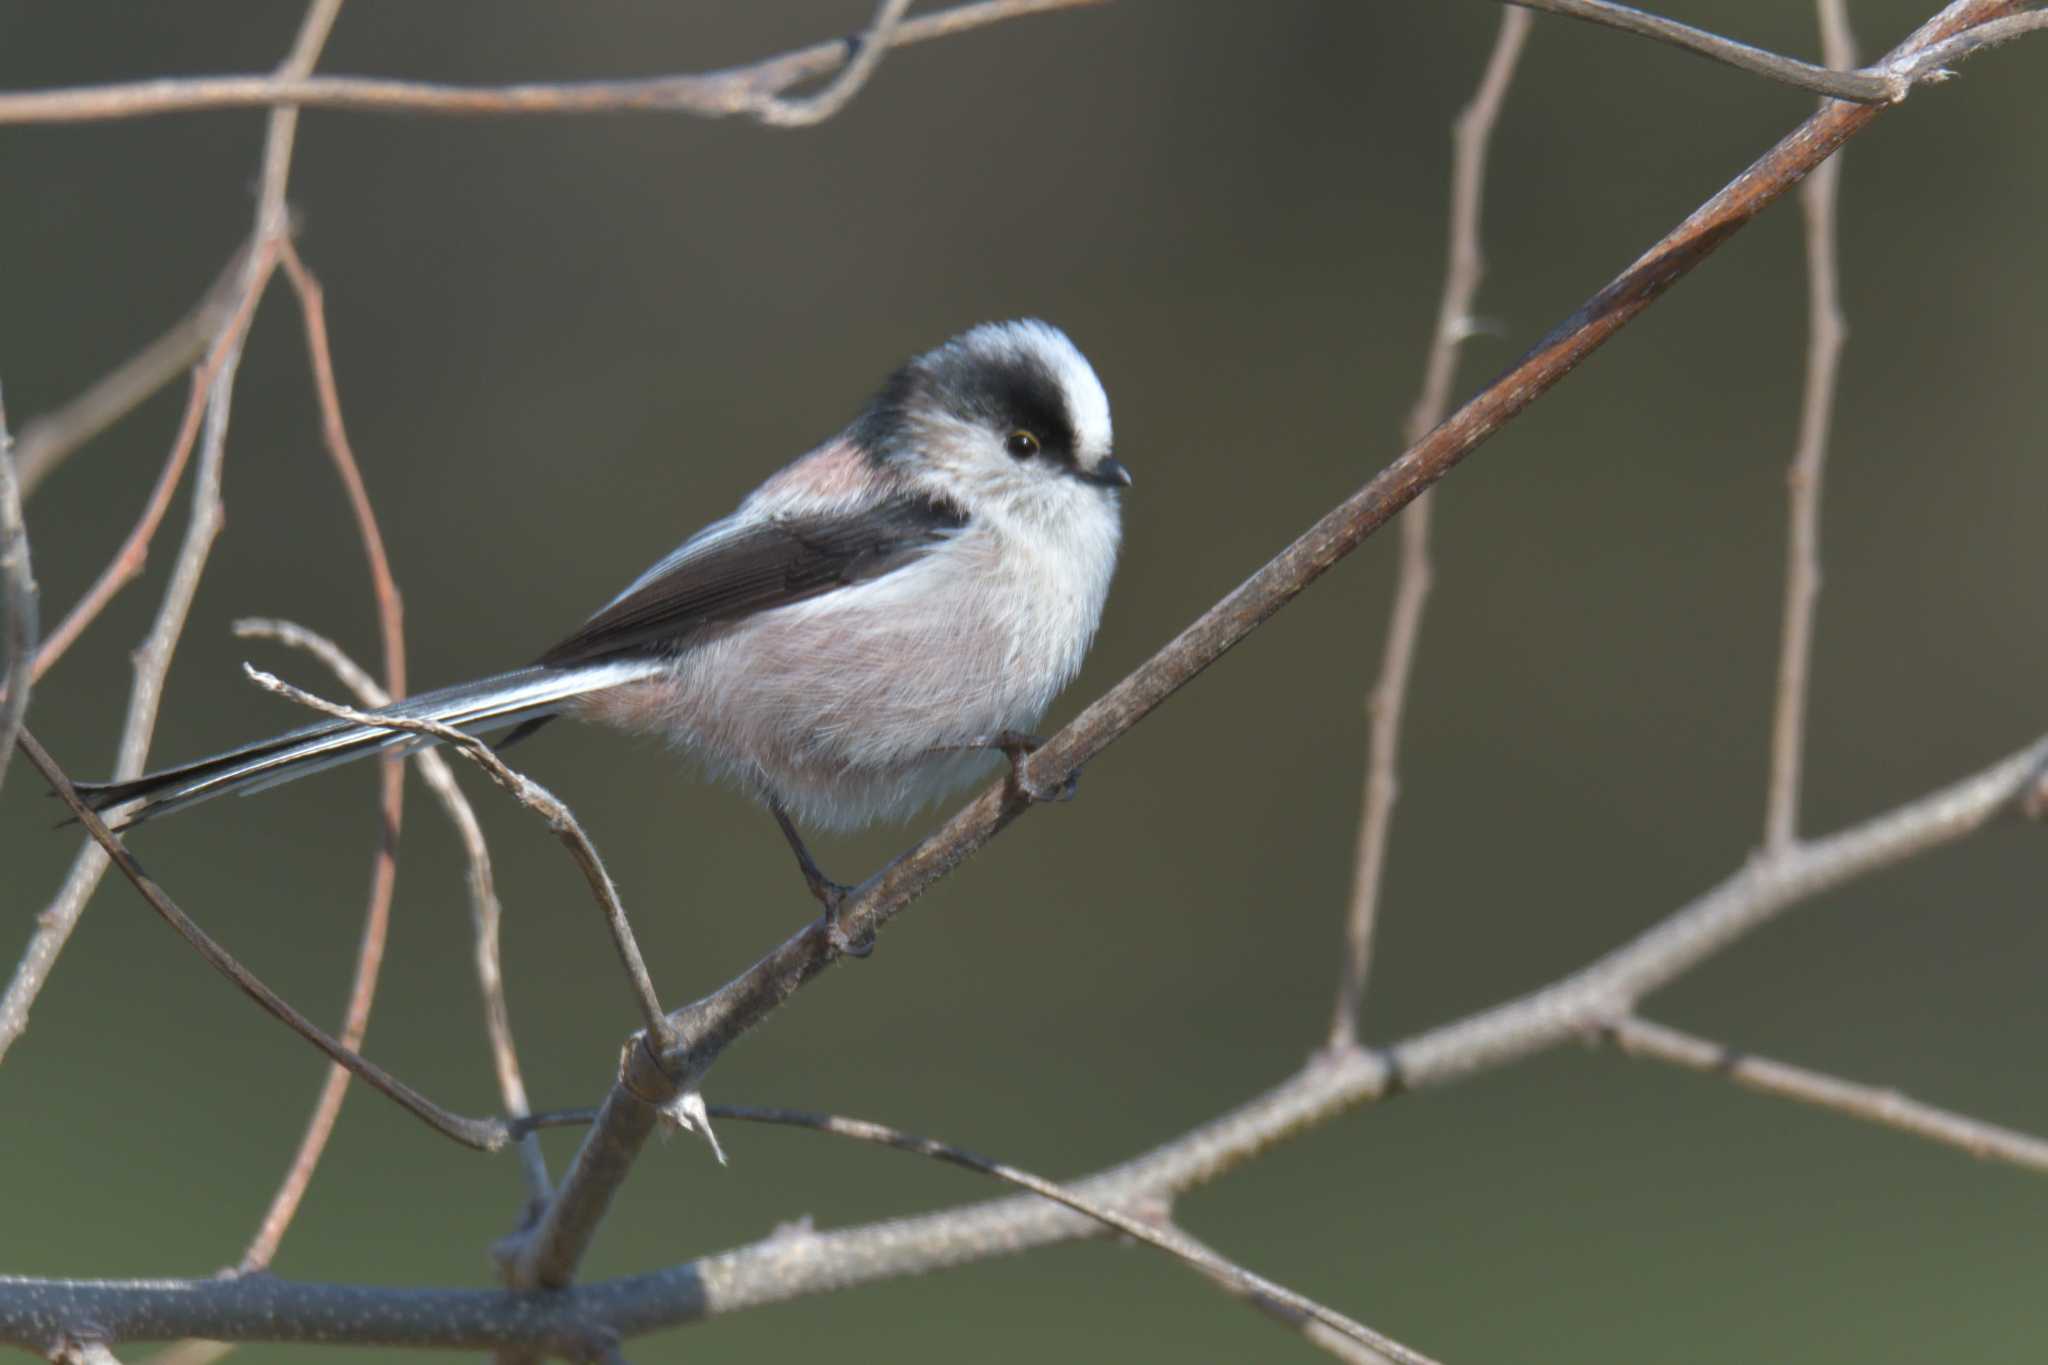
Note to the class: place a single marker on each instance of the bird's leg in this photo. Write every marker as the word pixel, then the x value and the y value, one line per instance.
pixel 829 893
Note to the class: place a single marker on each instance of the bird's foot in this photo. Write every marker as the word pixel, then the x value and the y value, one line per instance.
pixel 832 895
pixel 1017 746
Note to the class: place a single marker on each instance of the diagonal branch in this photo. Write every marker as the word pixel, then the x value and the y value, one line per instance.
pixel 535 798
pixel 707 1027
pixel 485 911
pixel 152 661
pixel 391 794
pixel 213 390
pixel 47 441
pixel 716 94
pixel 1153 1231
pixel 1637 1037
pixel 128 561
pixel 1463 268
pixel 1324 1339
pixel 1885 82
pixel 484 1134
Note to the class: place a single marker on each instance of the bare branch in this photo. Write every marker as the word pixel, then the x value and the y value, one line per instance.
pixel 778 111
pixel 1463 268
pixel 1825 335
pixel 1874 86
pixel 46 441
pixel 152 660
pixel 718 94
pixel 1323 1338
pixel 1153 1231
pixel 535 798
pixel 486 912
pixel 213 394
pixel 391 796
pixel 483 1134
pixel 1931 64
pixel 17 601
pixel 1887 1108
pixel 127 562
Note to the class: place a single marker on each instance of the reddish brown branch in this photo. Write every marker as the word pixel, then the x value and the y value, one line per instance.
pixel 391 793
pixel 483 1134
pixel 486 912
pixel 126 565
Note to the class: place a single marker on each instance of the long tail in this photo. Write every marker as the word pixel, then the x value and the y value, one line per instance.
pixel 523 695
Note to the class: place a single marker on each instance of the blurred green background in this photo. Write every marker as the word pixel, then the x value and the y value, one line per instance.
pixel 563 343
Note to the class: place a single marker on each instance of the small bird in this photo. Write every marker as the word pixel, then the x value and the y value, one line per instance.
pixel 873 625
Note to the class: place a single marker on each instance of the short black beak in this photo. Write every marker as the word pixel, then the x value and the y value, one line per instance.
pixel 1110 474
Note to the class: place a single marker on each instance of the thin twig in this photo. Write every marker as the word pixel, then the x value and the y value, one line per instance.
pixel 17 601
pixel 213 395
pixel 751 90
pixel 535 798
pixel 1639 1037
pixel 778 111
pixel 716 94
pixel 152 661
pixel 1344 1348
pixel 128 561
pixel 391 794
pixel 486 1135
pixel 1874 86
pixel 1932 63
pixel 47 441
pixel 485 910
pixel 1463 267
pixel 713 1023
pixel 1824 337
pixel 1153 1231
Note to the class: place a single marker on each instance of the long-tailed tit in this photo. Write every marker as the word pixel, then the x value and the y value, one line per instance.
pixel 855 640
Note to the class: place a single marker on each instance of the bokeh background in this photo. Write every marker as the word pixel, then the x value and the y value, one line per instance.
pixel 562 343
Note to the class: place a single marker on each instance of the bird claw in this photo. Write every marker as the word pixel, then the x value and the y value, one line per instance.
pixel 1017 747
pixel 832 895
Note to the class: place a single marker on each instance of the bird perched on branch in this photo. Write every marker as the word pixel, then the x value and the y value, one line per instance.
pixel 870 627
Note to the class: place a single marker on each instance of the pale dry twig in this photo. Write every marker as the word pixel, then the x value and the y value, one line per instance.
pixel 485 910
pixel 535 798
pixel 1463 267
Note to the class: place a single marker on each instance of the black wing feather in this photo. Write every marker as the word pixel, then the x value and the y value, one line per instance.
pixel 779 561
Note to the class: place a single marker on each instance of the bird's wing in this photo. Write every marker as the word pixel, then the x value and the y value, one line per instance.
pixel 744 565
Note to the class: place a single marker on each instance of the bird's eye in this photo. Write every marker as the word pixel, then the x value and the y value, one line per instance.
pixel 1021 444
